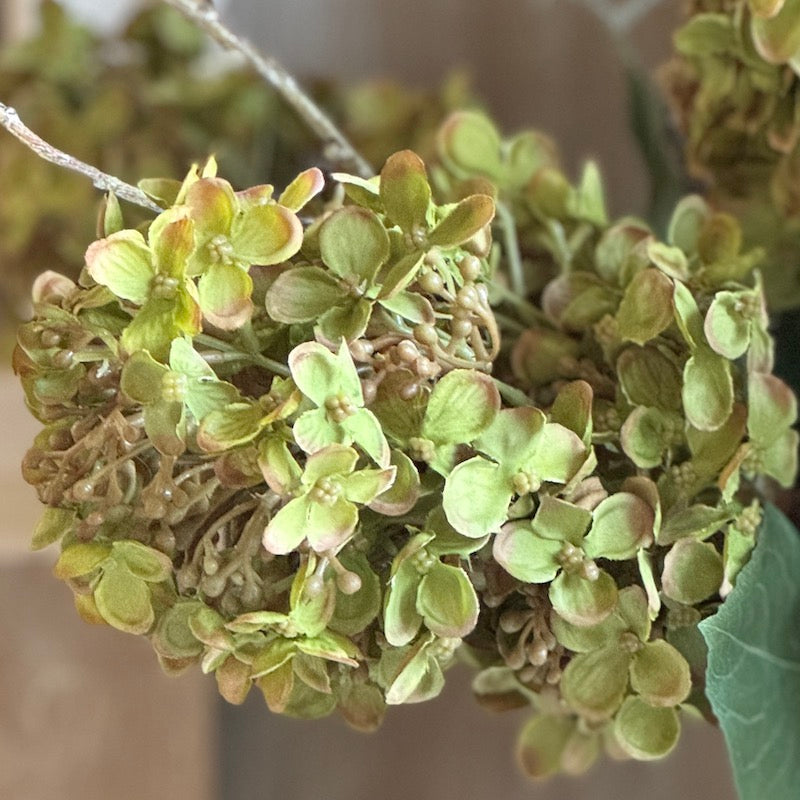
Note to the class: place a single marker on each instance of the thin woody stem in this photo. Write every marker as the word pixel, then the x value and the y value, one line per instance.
pixel 9 119
pixel 336 146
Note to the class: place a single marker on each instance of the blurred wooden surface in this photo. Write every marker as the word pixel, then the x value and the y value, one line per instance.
pixel 448 749
pixel 86 711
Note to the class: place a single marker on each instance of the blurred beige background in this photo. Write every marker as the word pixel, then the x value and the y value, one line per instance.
pixel 85 712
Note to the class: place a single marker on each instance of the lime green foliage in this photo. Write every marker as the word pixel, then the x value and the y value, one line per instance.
pixel 319 454
pixel 752 641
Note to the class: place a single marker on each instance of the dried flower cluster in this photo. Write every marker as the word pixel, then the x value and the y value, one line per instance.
pixel 321 442
pixel 734 85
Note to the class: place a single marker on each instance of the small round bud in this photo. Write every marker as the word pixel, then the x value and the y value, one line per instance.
pixel 590 571
pixel 431 282
pixel 407 351
pixel 467 297
pixel 537 653
pixel 409 391
pixel 315 585
pixel 64 359
pixel 348 582
pixel 426 334
pixel 95 519
pixel 470 268
pixel 460 328
pixel 50 338
pixel 83 490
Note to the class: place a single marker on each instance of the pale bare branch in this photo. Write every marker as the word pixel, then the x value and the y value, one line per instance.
pixel 9 119
pixel 337 148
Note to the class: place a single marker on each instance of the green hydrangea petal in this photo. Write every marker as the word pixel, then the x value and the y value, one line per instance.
pixel 302 294
pixel 646 309
pixel 693 571
pixel 644 732
pixel 660 674
pixel 526 556
pixel 595 683
pixel 707 390
pixel 288 527
pixel 467 218
pixel 123 600
pixel 265 234
pixel 447 601
pixel 319 374
pixel 124 264
pixel 581 601
pixel 330 526
pixel 623 523
pixel 224 291
pixel 401 620
pixel 476 398
pixel 476 497
pixel 405 192
pixel 354 244
pixel 313 431
pixel 302 189
pixel 365 485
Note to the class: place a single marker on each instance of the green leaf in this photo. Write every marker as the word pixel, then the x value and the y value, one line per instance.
pixel 644 732
pixel 354 244
pixel 447 601
pixel 476 399
pixel 405 192
pixel 302 294
pixel 646 309
pixel 265 234
pixel 753 675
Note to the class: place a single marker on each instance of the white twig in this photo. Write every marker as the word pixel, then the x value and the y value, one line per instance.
pixel 336 146
pixel 9 119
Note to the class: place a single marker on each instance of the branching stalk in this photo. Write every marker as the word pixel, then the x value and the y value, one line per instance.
pixel 336 146
pixel 9 119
